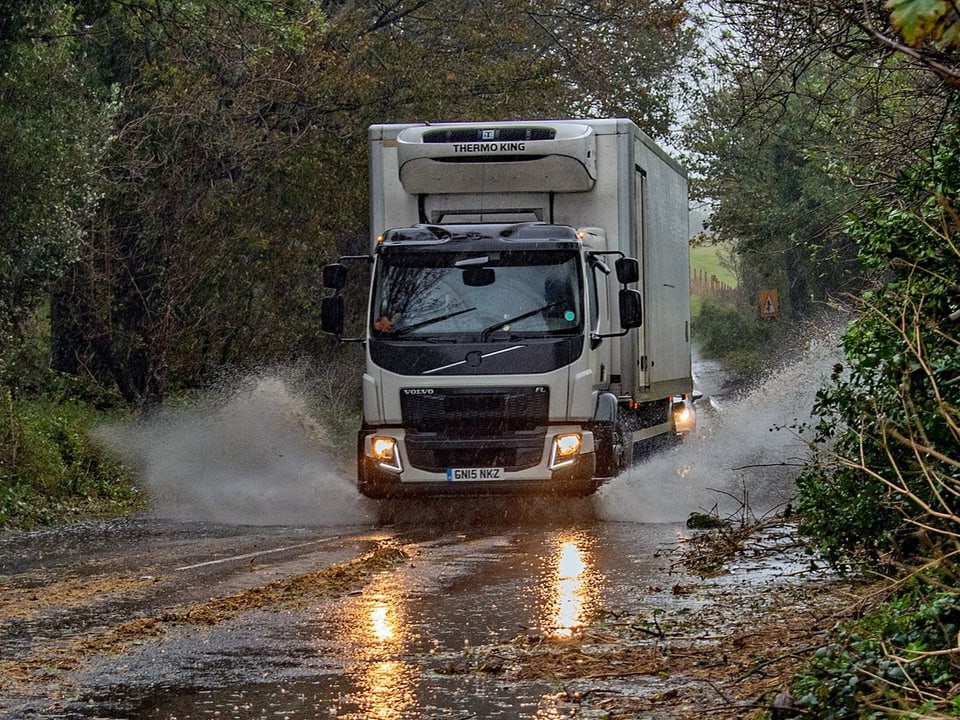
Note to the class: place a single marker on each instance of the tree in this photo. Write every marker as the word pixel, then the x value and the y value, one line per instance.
pixel 930 30
pixel 870 80
pixel 775 200
pixel 54 125
pixel 239 156
pixel 813 112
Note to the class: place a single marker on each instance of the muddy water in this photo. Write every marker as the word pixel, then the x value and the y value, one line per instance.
pixel 249 455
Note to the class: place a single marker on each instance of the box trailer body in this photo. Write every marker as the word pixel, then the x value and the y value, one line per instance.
pixel 503 354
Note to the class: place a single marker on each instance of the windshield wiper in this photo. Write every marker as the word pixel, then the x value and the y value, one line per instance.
pixel 490 329
pixel 430 321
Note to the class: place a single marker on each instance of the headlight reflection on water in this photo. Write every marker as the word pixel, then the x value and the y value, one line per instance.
pixel 386 689
pixel 573 589
pixel 382 624
pixel 385 682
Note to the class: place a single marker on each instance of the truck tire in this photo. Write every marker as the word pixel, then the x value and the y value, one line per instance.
pixel 371 487
pixel 605 442
pixel 614 446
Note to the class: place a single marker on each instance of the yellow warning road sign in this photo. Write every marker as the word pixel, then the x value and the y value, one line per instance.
pixel 769 303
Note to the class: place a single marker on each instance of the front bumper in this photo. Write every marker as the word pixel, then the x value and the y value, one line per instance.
pixel 573 479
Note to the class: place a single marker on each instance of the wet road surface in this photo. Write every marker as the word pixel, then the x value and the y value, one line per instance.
pixel 473 608
pixel 144 618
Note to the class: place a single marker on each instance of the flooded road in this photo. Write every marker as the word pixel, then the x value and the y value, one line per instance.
pixel 435 616
pixel 385 644
pixel 262 586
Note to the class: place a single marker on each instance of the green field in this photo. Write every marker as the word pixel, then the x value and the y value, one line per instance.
pixel 707 258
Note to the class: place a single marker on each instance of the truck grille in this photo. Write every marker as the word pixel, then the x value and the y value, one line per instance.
pixel 473 411
pixel 475 427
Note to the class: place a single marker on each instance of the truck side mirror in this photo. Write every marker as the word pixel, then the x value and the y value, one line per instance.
pixel 631 309
pixel 331 314
pixel 628 270
pixel 334 276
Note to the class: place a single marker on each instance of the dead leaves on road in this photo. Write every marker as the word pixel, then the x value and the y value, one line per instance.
pixel 51 659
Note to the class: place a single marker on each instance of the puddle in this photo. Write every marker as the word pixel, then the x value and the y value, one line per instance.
pixel 451 634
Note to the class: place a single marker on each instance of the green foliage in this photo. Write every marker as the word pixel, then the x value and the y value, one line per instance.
pixel 847 519
pixel 890 423
pixel 896 661
pixel 50 470
pixel 920 21
pixel 53 130
pixel 736 335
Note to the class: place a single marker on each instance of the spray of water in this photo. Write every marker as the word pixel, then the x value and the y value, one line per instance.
pixel 250 455
pixel 255 455
pixel 743 459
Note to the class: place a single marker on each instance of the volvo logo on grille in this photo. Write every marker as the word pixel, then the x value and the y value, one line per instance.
pixel 417 391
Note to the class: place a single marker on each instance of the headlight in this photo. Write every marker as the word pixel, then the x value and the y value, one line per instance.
pixel 684 417
pixel 385 453
pixel 565 450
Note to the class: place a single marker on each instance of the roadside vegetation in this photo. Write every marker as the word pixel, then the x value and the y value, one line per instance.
pixel 840 155
pixel 177 172
pixel 725 323
pixel 51 471
pixel 886 494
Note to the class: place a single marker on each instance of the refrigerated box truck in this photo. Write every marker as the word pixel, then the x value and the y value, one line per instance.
pixel 528 321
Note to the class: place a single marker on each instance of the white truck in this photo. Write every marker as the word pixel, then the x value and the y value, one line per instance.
pixel 528 319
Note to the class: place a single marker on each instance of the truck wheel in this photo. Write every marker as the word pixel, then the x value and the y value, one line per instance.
pixel 375 491
pixel 371 487
pixel 607 450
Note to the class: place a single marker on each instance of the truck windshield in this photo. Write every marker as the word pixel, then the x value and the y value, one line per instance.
pixel 477 296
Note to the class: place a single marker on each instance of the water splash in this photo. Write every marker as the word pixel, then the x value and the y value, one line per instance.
pixel 744 458
pixel 250 455
pixel 255 455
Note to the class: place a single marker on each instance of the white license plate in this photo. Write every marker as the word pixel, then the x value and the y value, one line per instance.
pixel 468 474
